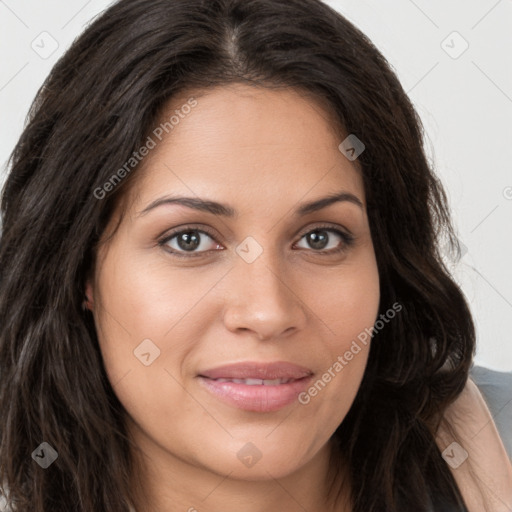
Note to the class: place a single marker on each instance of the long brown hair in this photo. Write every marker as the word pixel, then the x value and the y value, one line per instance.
pixel 93 111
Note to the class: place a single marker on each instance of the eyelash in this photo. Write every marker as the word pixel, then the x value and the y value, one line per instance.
pixel 347 240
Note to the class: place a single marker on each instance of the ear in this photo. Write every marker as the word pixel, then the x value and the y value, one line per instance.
pixel 88 302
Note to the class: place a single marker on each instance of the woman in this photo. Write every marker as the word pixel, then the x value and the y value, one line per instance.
pixel 221 285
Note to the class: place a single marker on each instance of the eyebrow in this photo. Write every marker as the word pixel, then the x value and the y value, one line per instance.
pixel 227 211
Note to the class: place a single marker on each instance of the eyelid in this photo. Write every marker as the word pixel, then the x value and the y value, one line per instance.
pixel 345 234
pixel 327 226
pixel 182 229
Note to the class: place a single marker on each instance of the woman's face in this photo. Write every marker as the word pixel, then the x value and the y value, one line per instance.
pixel 269 293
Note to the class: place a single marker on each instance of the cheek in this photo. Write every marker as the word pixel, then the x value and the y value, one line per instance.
pixel 348 309
pixel 349 302
pixel 149 299
pixel 145 324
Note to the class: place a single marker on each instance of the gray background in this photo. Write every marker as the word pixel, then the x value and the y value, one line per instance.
pixel 463 95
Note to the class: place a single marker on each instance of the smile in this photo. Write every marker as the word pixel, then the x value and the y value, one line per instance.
pixel 256 395
pixel 257 382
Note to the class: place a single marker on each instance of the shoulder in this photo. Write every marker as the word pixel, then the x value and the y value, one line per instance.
pixel 496 388
pixel 471 445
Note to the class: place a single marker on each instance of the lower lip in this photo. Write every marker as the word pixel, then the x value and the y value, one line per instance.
pixel 259 398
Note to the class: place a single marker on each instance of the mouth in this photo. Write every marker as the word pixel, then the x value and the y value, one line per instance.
pixel 257 387
pixel 257 382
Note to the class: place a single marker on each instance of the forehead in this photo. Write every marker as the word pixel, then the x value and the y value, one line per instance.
pixel 262 146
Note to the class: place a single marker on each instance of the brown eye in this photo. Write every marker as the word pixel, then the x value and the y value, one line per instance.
pixel 189 240
pixel 321 240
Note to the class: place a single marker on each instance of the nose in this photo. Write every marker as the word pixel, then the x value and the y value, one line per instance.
pixel 263 299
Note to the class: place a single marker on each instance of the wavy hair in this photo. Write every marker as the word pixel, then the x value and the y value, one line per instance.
pixel 93 111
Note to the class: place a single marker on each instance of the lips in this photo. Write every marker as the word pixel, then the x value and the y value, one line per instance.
pixel 257 387
pixel 257 382
pixel 263 371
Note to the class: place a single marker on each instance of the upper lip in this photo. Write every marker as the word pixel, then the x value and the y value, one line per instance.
pixel 254 370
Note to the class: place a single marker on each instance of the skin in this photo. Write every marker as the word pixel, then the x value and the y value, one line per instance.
pixel 485 476
pixel 263 152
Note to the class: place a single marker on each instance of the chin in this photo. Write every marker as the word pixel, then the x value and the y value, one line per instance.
pixel 258 461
